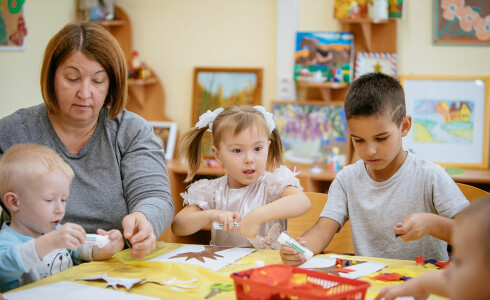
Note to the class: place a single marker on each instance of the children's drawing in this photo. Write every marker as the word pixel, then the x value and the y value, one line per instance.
pixel 329 52
pixel 396 8
pixel 367 62
pixel 350 9
pixel 443 121
pixel 211 257
pixel 311 130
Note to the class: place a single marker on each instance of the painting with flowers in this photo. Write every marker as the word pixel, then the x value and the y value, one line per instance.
pixel 311 132
pixel 461 22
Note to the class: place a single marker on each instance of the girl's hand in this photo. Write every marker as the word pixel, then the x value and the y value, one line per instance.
pixel 408 288
pixel 116 243
pixel 227 218
pixel 249 226
pixel 140 234
pixel 291 256
pixel 414 226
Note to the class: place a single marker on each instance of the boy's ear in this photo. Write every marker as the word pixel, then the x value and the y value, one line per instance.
pixel 406 125
pixel 216 153
pixel 11 201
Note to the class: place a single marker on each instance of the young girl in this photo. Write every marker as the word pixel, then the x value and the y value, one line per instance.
pixel 246 142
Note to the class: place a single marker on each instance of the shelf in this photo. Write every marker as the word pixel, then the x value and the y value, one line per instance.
pixel 325 89
pixel 382 28
pixel 110 23
pixel 137 89
pixel 364 21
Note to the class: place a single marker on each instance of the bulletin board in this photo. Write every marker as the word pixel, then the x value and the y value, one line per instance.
pixel 12 25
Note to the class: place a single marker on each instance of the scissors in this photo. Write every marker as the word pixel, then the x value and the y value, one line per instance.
pixel 218 288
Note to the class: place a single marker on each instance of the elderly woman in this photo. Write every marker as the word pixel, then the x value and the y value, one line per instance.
pixel 121 178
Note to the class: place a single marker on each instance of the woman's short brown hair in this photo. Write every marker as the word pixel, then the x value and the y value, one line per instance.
pixel 96 43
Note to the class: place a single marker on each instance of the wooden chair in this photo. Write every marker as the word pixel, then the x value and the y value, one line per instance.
pixel 470 192
pixel 341 242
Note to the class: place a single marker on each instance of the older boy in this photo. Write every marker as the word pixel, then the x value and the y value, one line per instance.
pixel 399 205
pixel 467 276
pixel 34 186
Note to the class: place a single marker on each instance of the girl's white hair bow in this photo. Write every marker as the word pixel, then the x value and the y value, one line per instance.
pixel 207 118
pixel 267 116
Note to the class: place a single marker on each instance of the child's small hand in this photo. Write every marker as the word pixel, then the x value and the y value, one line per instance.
pixel 249 226
pixel 408 288
pixel 68 235
pixel 115 245
pixel 291 256
pixel 227 218
pixel 414 226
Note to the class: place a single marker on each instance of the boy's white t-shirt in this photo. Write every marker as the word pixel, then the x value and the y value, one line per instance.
pixel 374 208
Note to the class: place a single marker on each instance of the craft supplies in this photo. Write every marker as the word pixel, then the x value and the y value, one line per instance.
pixel 218 226
pixel 96 239
pixel 286 240
pixel 289 282
pixel 218 288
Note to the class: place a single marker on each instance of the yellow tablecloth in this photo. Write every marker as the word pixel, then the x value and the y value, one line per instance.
pixel 122 265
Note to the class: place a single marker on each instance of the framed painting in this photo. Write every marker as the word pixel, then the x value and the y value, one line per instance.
pixel 166 133
pixel 324 56
pixel 461 22
pixel 13 28
pixel 223 87
pixel 312 132
pixel 450 119
pixel 367 62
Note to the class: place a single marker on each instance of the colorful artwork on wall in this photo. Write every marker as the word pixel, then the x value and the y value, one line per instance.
pixel 353 9
pixel 13 28
pixel 396 9
pixel 461 22
pixel 324 56
pixel 450 119
pixel 312 132
pixel 367 62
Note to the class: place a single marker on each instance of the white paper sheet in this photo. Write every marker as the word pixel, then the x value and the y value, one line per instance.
pixel 363 269
pixel 318 262
pixel 228 256
pixel 72 291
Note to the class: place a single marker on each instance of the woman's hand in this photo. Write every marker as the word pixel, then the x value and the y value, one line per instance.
pixel 140 234
pixel 116 243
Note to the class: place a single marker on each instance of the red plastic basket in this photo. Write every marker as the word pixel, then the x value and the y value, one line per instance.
pixel 329 286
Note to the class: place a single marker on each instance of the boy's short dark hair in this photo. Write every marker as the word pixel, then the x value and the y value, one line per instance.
pixel 375 94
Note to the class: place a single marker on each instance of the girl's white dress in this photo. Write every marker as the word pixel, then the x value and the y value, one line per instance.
pixel 216 194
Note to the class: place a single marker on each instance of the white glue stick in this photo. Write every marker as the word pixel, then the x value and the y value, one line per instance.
pixel 218 226
pixel 286 240
pixel 98 240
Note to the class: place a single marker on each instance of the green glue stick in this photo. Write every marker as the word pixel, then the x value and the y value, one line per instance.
pixel 286 240
pixel 218 226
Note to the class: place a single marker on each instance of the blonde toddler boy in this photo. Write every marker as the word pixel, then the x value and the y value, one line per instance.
pixel 34 186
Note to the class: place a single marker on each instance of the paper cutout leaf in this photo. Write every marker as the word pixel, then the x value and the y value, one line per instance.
pixel 209 252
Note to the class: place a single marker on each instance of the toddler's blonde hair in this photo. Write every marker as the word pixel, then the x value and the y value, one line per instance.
pixel 24 163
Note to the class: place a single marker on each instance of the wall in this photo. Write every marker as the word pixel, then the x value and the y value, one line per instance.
pixel 175 36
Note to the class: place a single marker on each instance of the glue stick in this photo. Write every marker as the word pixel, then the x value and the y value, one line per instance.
pixel 218 226
pixel 286 240
pixel 98 240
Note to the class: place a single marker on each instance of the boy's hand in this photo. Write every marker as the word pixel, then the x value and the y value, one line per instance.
pixel 69 236
pixel 408 288
pixel 116 243
pixel 291 256
pixel 140 234
pixel 227 218
pixel 414 226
